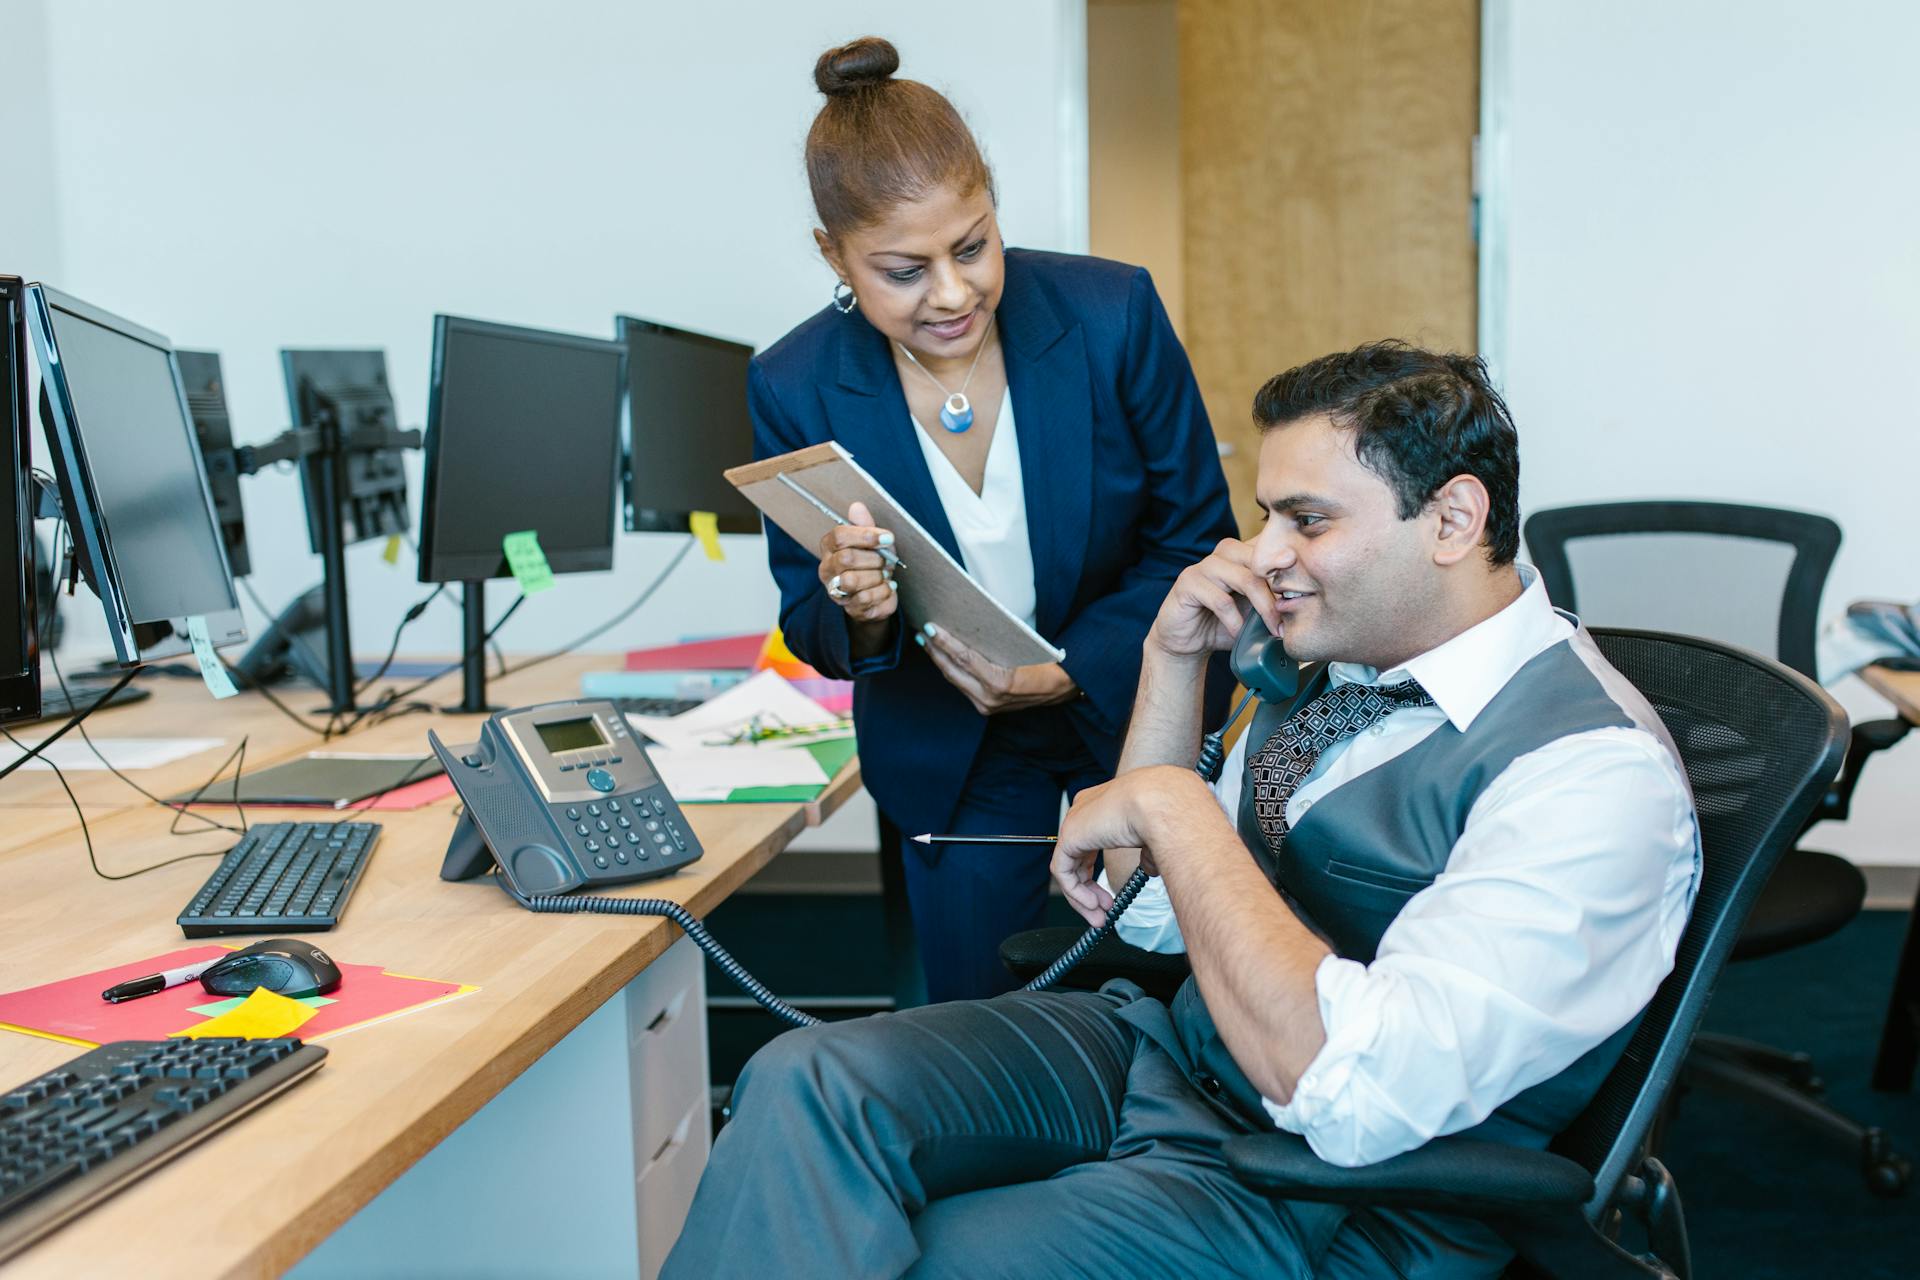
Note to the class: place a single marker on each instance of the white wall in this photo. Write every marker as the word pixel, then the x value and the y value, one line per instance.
pixel 29 214
pixel 1704 279
pixel 244 177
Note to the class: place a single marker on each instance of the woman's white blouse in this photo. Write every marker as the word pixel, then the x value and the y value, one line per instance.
pixel 990 526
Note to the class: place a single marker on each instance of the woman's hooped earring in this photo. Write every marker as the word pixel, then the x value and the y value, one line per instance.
pixel 843 299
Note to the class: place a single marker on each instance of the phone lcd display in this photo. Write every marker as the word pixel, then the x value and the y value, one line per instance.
pixel 570 735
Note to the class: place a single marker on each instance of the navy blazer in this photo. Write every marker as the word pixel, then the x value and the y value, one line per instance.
pixel 1123 487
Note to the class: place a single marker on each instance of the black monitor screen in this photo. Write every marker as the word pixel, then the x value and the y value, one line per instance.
pixel 207 405
pixel 688 406
pixel 146 477
pixel 19 676
pixel 348 389
pixel 523 432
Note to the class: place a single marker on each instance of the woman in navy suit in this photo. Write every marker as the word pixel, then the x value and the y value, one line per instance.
pixel 1036 414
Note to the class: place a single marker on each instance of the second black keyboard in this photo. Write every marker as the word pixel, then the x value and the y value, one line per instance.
pixel 80 1133
pixel 283 877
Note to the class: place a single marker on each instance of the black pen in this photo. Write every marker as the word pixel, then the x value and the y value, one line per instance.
pixel 134 988
pixel 933 839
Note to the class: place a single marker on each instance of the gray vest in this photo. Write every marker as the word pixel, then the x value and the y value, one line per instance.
pixel 1354 859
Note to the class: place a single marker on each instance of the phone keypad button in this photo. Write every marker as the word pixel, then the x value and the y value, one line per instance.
pixel 573 815
pixel 624 821
pixel 659 805
pixel 613 806
pixel 593 811
pixel 604 825
pixel 593 846
pixel 580 829
pixel 600 863
pixel 621 857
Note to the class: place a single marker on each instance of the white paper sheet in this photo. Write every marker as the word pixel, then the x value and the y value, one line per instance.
pixel 713 773
pixel 766 701
pixel 127 754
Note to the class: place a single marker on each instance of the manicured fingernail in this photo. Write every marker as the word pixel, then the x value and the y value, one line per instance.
pixel 890 585
pixel 886 539
pixel 931 630
pixel 920 640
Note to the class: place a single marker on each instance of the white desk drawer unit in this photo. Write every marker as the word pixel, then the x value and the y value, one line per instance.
pixel 585 1166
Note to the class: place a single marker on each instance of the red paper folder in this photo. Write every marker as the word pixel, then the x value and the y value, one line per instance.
pixel 728 653
pixel 72 1010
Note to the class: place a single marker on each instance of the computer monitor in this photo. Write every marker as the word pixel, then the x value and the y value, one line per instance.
pixel 131 484
pixel 523 432
pixel 687 408
pixel 19 652
pixel 207 405
pixel 348 389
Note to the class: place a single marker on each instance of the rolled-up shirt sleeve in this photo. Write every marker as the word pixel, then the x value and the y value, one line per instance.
pixel 1149 923
pixel 1558 914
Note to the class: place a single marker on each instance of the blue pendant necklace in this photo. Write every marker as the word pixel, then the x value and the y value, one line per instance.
pixel 956 415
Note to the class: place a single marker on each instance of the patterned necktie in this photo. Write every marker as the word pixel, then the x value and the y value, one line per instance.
pixel 1280 766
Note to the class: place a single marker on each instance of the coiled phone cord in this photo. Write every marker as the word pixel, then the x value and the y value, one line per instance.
pixel 1212 756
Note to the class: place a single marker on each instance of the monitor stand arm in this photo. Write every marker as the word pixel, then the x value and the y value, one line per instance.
pixel 329 447
pixel 473 651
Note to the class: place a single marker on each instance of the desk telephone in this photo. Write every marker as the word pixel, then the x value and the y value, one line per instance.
pixel 532 783
pixel 562 796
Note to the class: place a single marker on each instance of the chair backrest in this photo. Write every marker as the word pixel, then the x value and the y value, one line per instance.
pixel 1759 743
pixel 1751 576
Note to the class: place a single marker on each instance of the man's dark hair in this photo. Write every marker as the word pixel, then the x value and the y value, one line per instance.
pixel 1419 419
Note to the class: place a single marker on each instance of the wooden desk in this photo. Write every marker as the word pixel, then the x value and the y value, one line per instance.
pixel 1900 1036
pixel 386 1094
pixel 1901 688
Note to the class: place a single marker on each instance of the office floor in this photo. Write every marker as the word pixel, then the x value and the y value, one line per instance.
pixel 1763 1200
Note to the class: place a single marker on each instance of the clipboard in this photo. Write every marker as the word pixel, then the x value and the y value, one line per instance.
pixel 805 490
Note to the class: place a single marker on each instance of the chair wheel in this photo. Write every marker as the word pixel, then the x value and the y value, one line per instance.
pixel 1888 1176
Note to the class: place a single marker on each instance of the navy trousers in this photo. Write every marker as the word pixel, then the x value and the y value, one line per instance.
pixel 966 898
pixel 1029 1136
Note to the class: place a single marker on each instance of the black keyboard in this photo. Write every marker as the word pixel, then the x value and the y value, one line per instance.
pixel 283 877
pixel 55 705
pixel 81 1132
pixel 655 706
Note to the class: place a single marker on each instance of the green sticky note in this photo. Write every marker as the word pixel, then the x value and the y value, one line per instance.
pixel 218 682
pixel 219 1007
pixel 527 561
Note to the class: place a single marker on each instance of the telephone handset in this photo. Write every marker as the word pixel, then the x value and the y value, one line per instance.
pixel 1260 661
pixel 561 796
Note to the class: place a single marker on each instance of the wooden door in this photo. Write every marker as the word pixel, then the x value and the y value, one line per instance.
pixel 1326 189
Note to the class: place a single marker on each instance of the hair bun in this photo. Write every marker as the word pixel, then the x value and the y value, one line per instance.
pixel 858 65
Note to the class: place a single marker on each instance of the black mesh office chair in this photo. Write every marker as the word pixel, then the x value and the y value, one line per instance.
pixel 1752 576
pixel 1760 744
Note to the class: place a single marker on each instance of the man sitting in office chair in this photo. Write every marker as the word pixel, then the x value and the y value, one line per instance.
pixel 1484 852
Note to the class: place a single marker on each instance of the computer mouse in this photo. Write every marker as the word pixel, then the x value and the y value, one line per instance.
pixel 286 965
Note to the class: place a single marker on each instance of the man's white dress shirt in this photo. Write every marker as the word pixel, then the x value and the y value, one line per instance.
pixel 1557 916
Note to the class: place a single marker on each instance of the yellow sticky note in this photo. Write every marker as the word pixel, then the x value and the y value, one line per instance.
pixel 392 554
pixel 706 527
pixel 263 1015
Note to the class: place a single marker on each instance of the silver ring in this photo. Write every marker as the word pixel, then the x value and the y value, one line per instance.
pixel 833 588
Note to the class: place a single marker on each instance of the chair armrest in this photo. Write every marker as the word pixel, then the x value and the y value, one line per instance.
pixel 1865 738
pixel 1159 974
pixel 1451 1175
